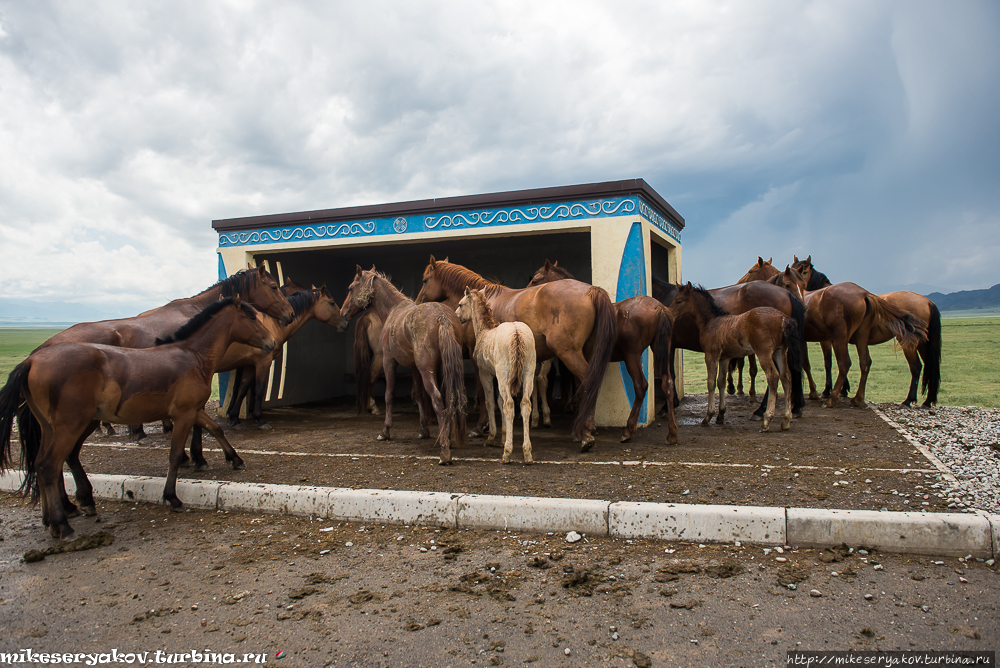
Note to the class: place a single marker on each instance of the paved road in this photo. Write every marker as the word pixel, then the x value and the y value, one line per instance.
pixel 330 593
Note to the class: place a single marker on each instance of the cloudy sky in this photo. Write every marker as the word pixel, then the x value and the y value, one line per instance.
pixel 866 134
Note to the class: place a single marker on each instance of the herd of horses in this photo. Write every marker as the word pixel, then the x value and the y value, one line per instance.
pixel 159 365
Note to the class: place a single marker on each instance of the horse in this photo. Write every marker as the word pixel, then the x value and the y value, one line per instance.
pixel 424 337
pixel 255 364
pixel 70 388
pixel 641 322
pixel 255 286
pixel 568 320
pixel 505 351
pixel 740 298
pixel 929 351
pixel 762 331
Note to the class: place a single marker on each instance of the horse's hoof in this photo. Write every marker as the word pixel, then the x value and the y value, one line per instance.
pixel 547 424
pixel 446 463
pixel 507 460
pixel 672 440
pixel 381 437
pixel 529 461
pixel 586 446
pixel 785 426
pixel 65 532
pixel 813 396
pixel 201 466
pixel 89 511
pixel 797 413
pixel 238 465
pixel 239 426
pixel 754 417
pixel 706 422
pixel 858 403
pixel 625 439
pixel 764 430
pixel 264 426
pixel 72 511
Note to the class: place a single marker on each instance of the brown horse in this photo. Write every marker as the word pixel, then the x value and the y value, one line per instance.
pixel 929 350
pixel 255 364
pixel 424 337
pixel 254 286
pixel 740 298
pixel 567 318
pixel 763 331
pixel 368 348
pixel 642 322
pixel 69 388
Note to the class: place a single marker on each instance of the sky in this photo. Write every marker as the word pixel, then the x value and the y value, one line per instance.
pixel 865 134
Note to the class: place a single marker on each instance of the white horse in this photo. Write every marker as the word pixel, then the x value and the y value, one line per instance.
pixel 505 351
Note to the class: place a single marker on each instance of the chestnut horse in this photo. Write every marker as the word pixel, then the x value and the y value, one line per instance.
pixel 929 350
pixel 762 331
pixel 567 318
pixel 69 388
pixel 255 364
pixel 424 337
pixel 642 322
pixel 505 351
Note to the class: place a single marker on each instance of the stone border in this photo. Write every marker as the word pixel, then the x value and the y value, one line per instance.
pixel 940 534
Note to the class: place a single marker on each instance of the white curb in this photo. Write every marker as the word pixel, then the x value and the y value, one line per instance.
pixel 941 534
pixel 944 534
pixel 698 523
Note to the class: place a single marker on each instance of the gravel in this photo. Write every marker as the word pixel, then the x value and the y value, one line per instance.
pixel 967 441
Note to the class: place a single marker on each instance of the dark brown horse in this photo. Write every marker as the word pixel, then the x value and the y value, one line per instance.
pixel 254 286
pixel 740 298
pixel 570 320
pixel 762 331
pixel 69 388
pixel 642 322
pixel 929 350
pixel 255 364
pixel 424 337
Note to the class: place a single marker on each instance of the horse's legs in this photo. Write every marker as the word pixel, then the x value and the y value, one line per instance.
pixel 486 381
pixel 480 401
pixel 389 369
pixel 785 373
pixel 865 362
pixel 242 389
pixel 813 394
pixel 721 417
pixel 843 365
pixel 541 394
pixel 507 410
pixel 183 422
pixel 711 365
pixel 733 365
pixel 437 401
pixel 576 363
pixel 84 490
pixel 828 364
pixel 771 373
pixel 56 446
pixel 422 408
pixel 204 421
pixel 913 361
pixel 527 384
pixel 109 428
pixel 261 376
pixel 633 364
pixel 375 369
pixel 753 376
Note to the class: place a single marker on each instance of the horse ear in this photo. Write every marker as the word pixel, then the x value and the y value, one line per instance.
pixel 358 270
pixel 770 259
pixel 795 258
pixel 433 261
pixel 556 263
pixel 548 265
pixel 322 289
pixel 809 259
pixel 467 291
pixel 236 301
pixel 760 261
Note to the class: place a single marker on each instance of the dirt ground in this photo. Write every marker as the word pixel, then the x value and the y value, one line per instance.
pixel 338 594
pixel 840 457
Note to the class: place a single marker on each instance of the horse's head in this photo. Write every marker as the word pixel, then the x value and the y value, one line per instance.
pixel 433 289
pixel 249 329
pixel 695 301
pixel 549 273
pixel 792 281
pixel 359 293
pixel 464 310
pixel 804 267
pixel 326 310
pixel 761 271
pixel 264 293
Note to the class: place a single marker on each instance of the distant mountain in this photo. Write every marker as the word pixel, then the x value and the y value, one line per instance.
pixel 31 313
pixel 967 299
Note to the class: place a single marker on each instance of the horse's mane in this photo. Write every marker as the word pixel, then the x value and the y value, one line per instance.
pixel 238 284
pixel 196 323
pixel 367 286
pixel 817 280
pixel 303 300
pixel 483 309
pixel 709 300
pixel 456 278
pixel 778 279
pixel 562 273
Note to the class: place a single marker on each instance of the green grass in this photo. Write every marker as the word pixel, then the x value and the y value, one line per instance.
pixel 16 343
pixel 970 367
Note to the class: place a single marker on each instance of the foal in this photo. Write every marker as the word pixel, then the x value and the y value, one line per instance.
pixel 762 331
pixel 506 351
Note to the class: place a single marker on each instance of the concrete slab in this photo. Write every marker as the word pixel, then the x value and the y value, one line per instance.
pixel 394 507
pixel 289 499
pixel 105 486
pixel 940 534
pixel 521 513
pixel 698 523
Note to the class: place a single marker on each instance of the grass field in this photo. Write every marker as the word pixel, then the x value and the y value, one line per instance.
pixel 970 367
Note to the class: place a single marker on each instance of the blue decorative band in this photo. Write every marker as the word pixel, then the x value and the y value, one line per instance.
pixel 402 225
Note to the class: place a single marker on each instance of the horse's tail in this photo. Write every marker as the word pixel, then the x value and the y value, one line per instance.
pixel 932 359
pixel 661 340
pixel 799 315
pixel 12 404
pixel 792 336
pixel 603 336
pixel 452 380
pixel 518 345
pixel 906 327
pixel 362 363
